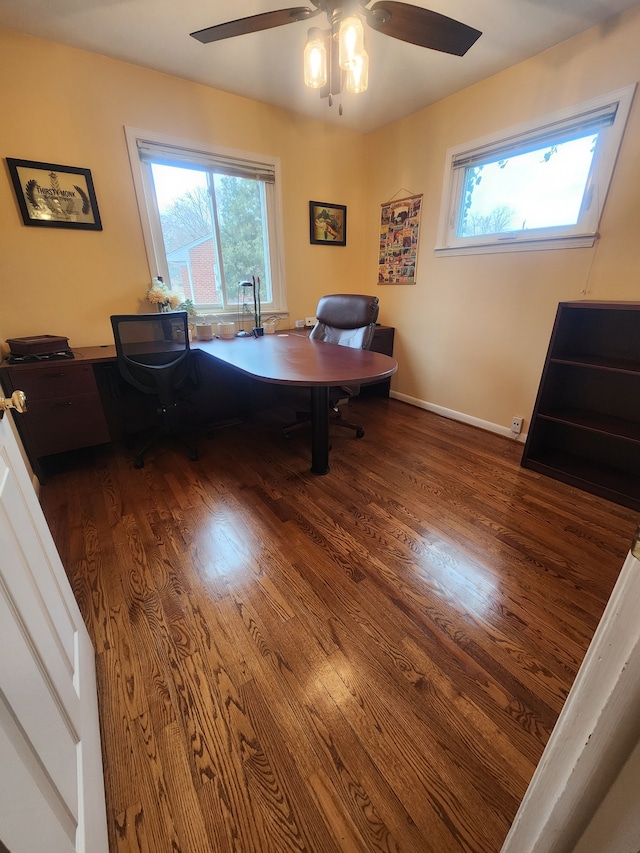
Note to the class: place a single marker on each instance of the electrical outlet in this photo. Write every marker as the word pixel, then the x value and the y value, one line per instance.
pixel 310 321
pixel 516 425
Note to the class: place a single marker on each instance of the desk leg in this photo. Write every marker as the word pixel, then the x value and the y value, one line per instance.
pixel 320 430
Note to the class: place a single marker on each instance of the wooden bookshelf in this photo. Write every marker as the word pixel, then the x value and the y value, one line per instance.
pixel 585 427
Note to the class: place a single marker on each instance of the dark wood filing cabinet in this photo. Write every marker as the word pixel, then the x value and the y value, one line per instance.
pixel 585 428
pixel 383 343
pixel 64 409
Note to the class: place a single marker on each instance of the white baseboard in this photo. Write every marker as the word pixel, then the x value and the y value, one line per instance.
pixel 459 416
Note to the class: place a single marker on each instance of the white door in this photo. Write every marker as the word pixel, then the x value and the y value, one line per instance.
pixel 596 732
pixel 51 784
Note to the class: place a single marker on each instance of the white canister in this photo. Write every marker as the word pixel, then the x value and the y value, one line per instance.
pixel 204 331
pixel 226 330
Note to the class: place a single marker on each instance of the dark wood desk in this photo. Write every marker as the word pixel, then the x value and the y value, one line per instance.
pixel 66 409
pixel 290 359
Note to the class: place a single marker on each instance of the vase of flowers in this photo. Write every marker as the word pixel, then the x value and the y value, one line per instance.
pixel 163 298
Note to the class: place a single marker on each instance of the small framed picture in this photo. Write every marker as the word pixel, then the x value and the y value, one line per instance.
pixel 327 223
pixel 54 196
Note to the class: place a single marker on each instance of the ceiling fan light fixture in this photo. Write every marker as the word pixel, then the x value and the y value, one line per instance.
pixel 350 42
pixel 337 56
pixel 315 59
pixel 358 75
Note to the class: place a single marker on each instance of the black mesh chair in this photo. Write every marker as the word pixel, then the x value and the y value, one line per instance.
pixel 154 356
pixel 348 320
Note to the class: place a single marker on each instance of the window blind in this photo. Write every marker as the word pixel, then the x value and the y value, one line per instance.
pixel 552 134
pixel 186 158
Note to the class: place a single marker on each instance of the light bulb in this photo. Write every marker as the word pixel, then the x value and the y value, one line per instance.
pixel 350 42
pixel 358 75
pixel 315 59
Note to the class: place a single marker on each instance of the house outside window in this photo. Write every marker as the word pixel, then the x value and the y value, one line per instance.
pixel 537 186
pixel 211 218
pixel 192 271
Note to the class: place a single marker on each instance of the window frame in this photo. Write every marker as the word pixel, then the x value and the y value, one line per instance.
pixel 150 218
pixel 582 234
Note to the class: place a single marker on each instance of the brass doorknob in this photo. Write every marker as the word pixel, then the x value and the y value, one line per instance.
pixel 17 401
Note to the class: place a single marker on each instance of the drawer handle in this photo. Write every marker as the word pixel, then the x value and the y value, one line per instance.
pixel 55 375
pixel 61 405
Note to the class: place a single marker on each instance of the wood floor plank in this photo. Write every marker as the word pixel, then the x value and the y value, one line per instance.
pixel 191 826
pixel 131 835
pixel 123 761
pixel 155 793
pixel 372 660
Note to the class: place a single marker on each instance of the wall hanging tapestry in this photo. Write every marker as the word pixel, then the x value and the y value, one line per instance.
pixel 399 235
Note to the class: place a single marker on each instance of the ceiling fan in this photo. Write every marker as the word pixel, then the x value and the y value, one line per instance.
pixel 339 52
pixel 398 20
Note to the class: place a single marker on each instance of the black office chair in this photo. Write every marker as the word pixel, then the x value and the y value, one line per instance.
pixel 348 320
pixel 154 356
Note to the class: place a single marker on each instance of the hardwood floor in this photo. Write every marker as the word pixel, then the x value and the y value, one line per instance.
pixel 367 661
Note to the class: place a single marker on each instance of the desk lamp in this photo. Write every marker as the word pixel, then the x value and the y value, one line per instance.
pixel 241 333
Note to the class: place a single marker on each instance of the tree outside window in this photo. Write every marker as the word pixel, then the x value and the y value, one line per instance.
pixel 213 231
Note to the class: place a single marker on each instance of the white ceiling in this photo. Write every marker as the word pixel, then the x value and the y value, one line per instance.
pixel 267 66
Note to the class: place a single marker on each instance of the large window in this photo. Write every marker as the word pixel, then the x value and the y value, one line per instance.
pixel 542 185
pixel 211 219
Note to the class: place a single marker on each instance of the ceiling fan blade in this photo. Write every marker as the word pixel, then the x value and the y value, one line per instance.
pixel 254 24
pixel 422 27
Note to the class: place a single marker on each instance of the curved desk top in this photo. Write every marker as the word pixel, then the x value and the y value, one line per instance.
pixel 289 359
pixel 284 359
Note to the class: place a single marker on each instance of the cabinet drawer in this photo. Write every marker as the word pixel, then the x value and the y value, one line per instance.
pixel 383 340
pixel 65 423
pixel 383 343
pixel 57 380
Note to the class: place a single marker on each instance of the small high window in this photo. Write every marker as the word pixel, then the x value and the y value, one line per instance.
pixel 537 186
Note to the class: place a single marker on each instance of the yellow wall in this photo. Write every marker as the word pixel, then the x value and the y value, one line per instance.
pixel 473 332
pixel 61 105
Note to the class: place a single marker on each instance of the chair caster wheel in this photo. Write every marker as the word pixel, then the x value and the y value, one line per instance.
pixel 193 455
pixel 286 435
pixel 359 432
pixel 138 463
